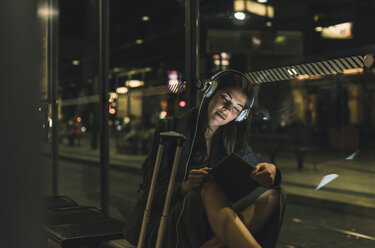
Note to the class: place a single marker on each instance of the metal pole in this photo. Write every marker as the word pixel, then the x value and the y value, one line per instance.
pixel 104 115
pixel 192 50
pixel 53 83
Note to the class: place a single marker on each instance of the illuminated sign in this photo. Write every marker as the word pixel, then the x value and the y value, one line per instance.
pixel 339 31
pixel 254 8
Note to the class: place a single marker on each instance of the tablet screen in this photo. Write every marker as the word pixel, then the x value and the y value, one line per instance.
pixel 232 173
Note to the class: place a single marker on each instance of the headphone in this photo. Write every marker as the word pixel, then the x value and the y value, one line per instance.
pixel 211 85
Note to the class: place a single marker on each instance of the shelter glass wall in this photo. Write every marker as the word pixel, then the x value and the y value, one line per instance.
pixel 310 126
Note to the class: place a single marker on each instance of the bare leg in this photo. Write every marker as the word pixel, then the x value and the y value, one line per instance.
pixel 255 216
pixel 223 220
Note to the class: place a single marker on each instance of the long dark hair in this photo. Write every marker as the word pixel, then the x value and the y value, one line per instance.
pixel 234 133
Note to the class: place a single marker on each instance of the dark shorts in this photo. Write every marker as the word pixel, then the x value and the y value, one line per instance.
pixel 190 227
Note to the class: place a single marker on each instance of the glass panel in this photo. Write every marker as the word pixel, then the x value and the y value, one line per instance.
pixel 316 122
pixel 78 102
pixel 147 65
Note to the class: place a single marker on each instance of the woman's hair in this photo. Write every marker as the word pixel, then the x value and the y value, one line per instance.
pixel 234 133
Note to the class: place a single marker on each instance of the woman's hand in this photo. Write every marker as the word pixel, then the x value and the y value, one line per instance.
pixel 264 174
pixel 195 180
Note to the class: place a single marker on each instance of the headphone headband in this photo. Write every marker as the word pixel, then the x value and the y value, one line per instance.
pixel 211 85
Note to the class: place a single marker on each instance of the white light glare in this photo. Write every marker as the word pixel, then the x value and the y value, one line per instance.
pixel 262 1
pixel 326 179
pixel 239 15
pixel 352 156
pixel 46 12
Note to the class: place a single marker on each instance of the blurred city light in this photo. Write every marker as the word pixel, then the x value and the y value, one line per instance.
pixel 126 120
pixel 163 114
pixel 112 96
pixel 139 41
pixel 145 18
pixel 174 81
pixel 239 15
pixel 369 60
pixel 339 31
pixel 254 8
pixel 46 12
pixel 79 119
pixel 75 62
pixel 225 55
pixel 122 90
pixel 112 111
pixel 262 1
pixel 83 129
pixel 134 83
pixel 353 71
pixel 280 39
pixel 182 103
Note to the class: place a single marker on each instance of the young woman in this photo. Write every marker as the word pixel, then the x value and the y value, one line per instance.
pixel 200 213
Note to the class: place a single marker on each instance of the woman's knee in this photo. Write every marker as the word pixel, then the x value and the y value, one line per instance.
pixel 270 197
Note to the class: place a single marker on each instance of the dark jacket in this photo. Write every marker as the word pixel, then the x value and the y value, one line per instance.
pixel 184 125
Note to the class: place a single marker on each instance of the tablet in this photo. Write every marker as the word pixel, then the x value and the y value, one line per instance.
pixel 232 174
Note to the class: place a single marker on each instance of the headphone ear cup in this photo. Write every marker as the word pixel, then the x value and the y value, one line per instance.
pixel 212 85
pixel 243 115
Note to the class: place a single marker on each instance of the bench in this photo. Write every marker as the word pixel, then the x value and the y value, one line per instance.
pixel 72 225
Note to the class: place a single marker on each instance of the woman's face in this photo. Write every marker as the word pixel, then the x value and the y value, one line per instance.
pixel 225 106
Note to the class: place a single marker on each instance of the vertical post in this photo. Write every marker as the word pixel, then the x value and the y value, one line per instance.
pixel 21 177
pixel 192 50
pixel 104 115
pixel 53 60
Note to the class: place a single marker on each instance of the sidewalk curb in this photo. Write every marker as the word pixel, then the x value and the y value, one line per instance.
pixel 342 207
pixel 96 162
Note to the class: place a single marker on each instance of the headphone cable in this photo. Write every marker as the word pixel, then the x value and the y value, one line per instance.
pixel 191 148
